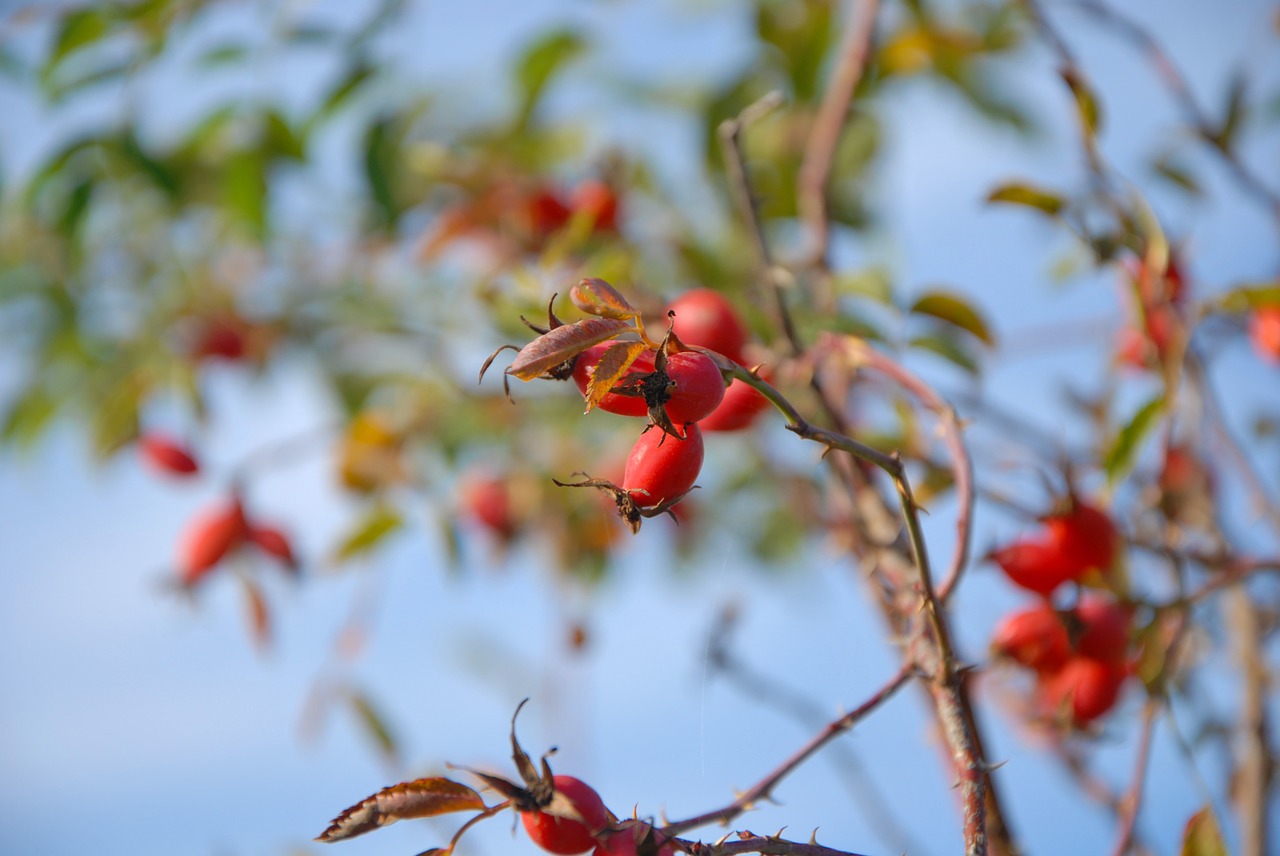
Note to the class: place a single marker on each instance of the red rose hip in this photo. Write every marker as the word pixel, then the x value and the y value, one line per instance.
pixel 707 319
pixel 563 835
pixel 661 467
pixel 699 387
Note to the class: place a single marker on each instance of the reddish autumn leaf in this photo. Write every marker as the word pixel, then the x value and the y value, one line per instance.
pixel 420 798
pixel 555 346
pixel 594 296
pixel 274 542
pixel 613 366
pixel 258 613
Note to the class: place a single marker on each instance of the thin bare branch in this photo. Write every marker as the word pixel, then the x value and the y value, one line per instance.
pixel 824 138
pixel 764 788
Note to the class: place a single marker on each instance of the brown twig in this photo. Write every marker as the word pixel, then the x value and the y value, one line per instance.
pixel 1181 91
pixel 764 788
pixel 932 652
pixel 866 796
pixel 1252 786
pixel 824 137
pixel 961 461
pixel 1132 801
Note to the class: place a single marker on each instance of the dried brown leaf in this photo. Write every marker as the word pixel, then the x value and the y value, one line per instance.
pixel 556 346
pixel 613 366
pixel 420 798
pixel 594 296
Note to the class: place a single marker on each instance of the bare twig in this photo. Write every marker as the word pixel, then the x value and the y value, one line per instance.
pixel 1132 801
pixel 820 148
pixel 866 796
pixel 762 789
pixel 1253 750
pixel 956 449
pixel 1173 78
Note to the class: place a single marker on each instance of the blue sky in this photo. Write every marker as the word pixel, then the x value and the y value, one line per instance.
pixel 131 721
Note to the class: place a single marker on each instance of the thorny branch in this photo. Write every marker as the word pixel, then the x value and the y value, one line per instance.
pixel 764 788
pixel 931 651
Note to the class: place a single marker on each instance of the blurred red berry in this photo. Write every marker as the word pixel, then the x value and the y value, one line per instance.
pixel 739 409
pixel 1103 629
pixel 1264 332
pixel 546 213
pixel 707 319
pixel 1034 564
pixel 208 539
pixel 1083 688
pixel 487 500
pixel 1035 638
pixel 168 455
pixel 220 337
pixel 597 199
pixel 1085 537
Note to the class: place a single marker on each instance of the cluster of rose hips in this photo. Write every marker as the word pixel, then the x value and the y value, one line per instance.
pixel 561 814
pixel 218 532
pixel 677 384
pixel 1080 655
pixel 524 214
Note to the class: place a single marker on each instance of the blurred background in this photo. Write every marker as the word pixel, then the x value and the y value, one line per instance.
pixel 290 233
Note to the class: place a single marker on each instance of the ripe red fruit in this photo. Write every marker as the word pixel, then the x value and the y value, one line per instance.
pixel 208 539
pixel 1085 688
pixel 1103 630
pixel 699 387
pixel 627 405
pixel 707 319
pixel 1264 332
pixel 597 199
pixel 546 213
pixel 631 838
pixel 560 834
pixel 1085 537
pixel 1034 564
pixel 168 455
pixel 1035 638
pixel 661 467
pixel 739 409
pixel 273 542
pixel 487 500
pixel 220 337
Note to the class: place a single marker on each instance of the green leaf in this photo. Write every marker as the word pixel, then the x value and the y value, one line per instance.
pixel 222 55
pixel 1248 297
pixel 281 139
pixel 955 310
pixel 871 283
pixel 244 189
pixel 1017 193
pixel 1124 450
pixel 370 531
pixel 375 725
pixel 1177 174
pixel 1202 836
pixel 1086 102
pixel 29 415
pixel 545 58
pixel 381 169
pixel 79 28
pixel 345 88
pixel 949 349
